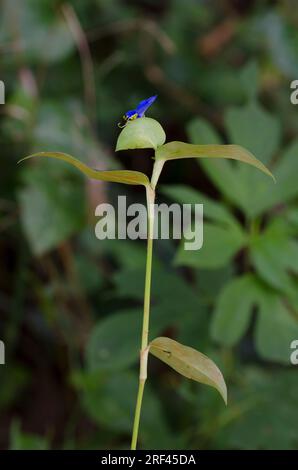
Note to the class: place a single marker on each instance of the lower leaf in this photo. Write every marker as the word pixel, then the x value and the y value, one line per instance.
pixel 190 363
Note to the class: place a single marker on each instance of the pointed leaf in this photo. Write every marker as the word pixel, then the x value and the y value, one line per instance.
pixel 115 176
pixel 186 195
pixel 222 172
pixel 286 174
pixel 174 150
pixel 274 254
pixel 276 329
pixel 249 79
pixel 253 127
pixel 142 133
pixel 234 309
pixel 189 362
pixel 212 255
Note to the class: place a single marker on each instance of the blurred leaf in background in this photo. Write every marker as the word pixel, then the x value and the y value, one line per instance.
pixel 270 248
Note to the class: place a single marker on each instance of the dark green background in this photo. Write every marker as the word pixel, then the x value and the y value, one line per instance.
pixel 71 305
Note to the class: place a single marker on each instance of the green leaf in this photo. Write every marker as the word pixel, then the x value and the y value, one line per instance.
pixel 249 77
pixel 234 310
pixel 291 217
pixel 234 180
pixel 221 172
pixel 46 38
pixel 264 197
pixel 286 175
pixel 166 284
pixel 200 131
pixel 174 150
pixel 189 363
pixel 209 283
pixel 274 254
pixel 255 129
pixel 220 245
pixel 263 413
pixel 171 294
pixel 113 343
pixel 187 195
pixel 276 328
pixel 56 119
pixel 51 213
pixel 115 176
pixel 141 133
pixel 109 400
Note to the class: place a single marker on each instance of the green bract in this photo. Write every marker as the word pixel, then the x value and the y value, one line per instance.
pixel 142 133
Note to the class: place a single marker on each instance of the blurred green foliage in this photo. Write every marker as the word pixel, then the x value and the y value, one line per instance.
pixel 70 304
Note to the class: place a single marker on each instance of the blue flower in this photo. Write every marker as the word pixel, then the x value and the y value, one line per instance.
pixel 138 112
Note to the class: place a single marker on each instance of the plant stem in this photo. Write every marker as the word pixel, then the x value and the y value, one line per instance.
pixel 137 415
pixel 157 169
pixel 150 193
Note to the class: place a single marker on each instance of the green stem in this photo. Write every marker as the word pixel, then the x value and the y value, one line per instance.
pixel 146 315
pixel 136 422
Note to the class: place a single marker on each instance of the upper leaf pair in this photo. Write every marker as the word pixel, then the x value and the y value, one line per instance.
pixel 148 133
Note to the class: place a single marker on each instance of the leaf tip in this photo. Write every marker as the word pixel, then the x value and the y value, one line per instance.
pixel 224 394
pixel 38 154
pixel 268 172
pixel 221 386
